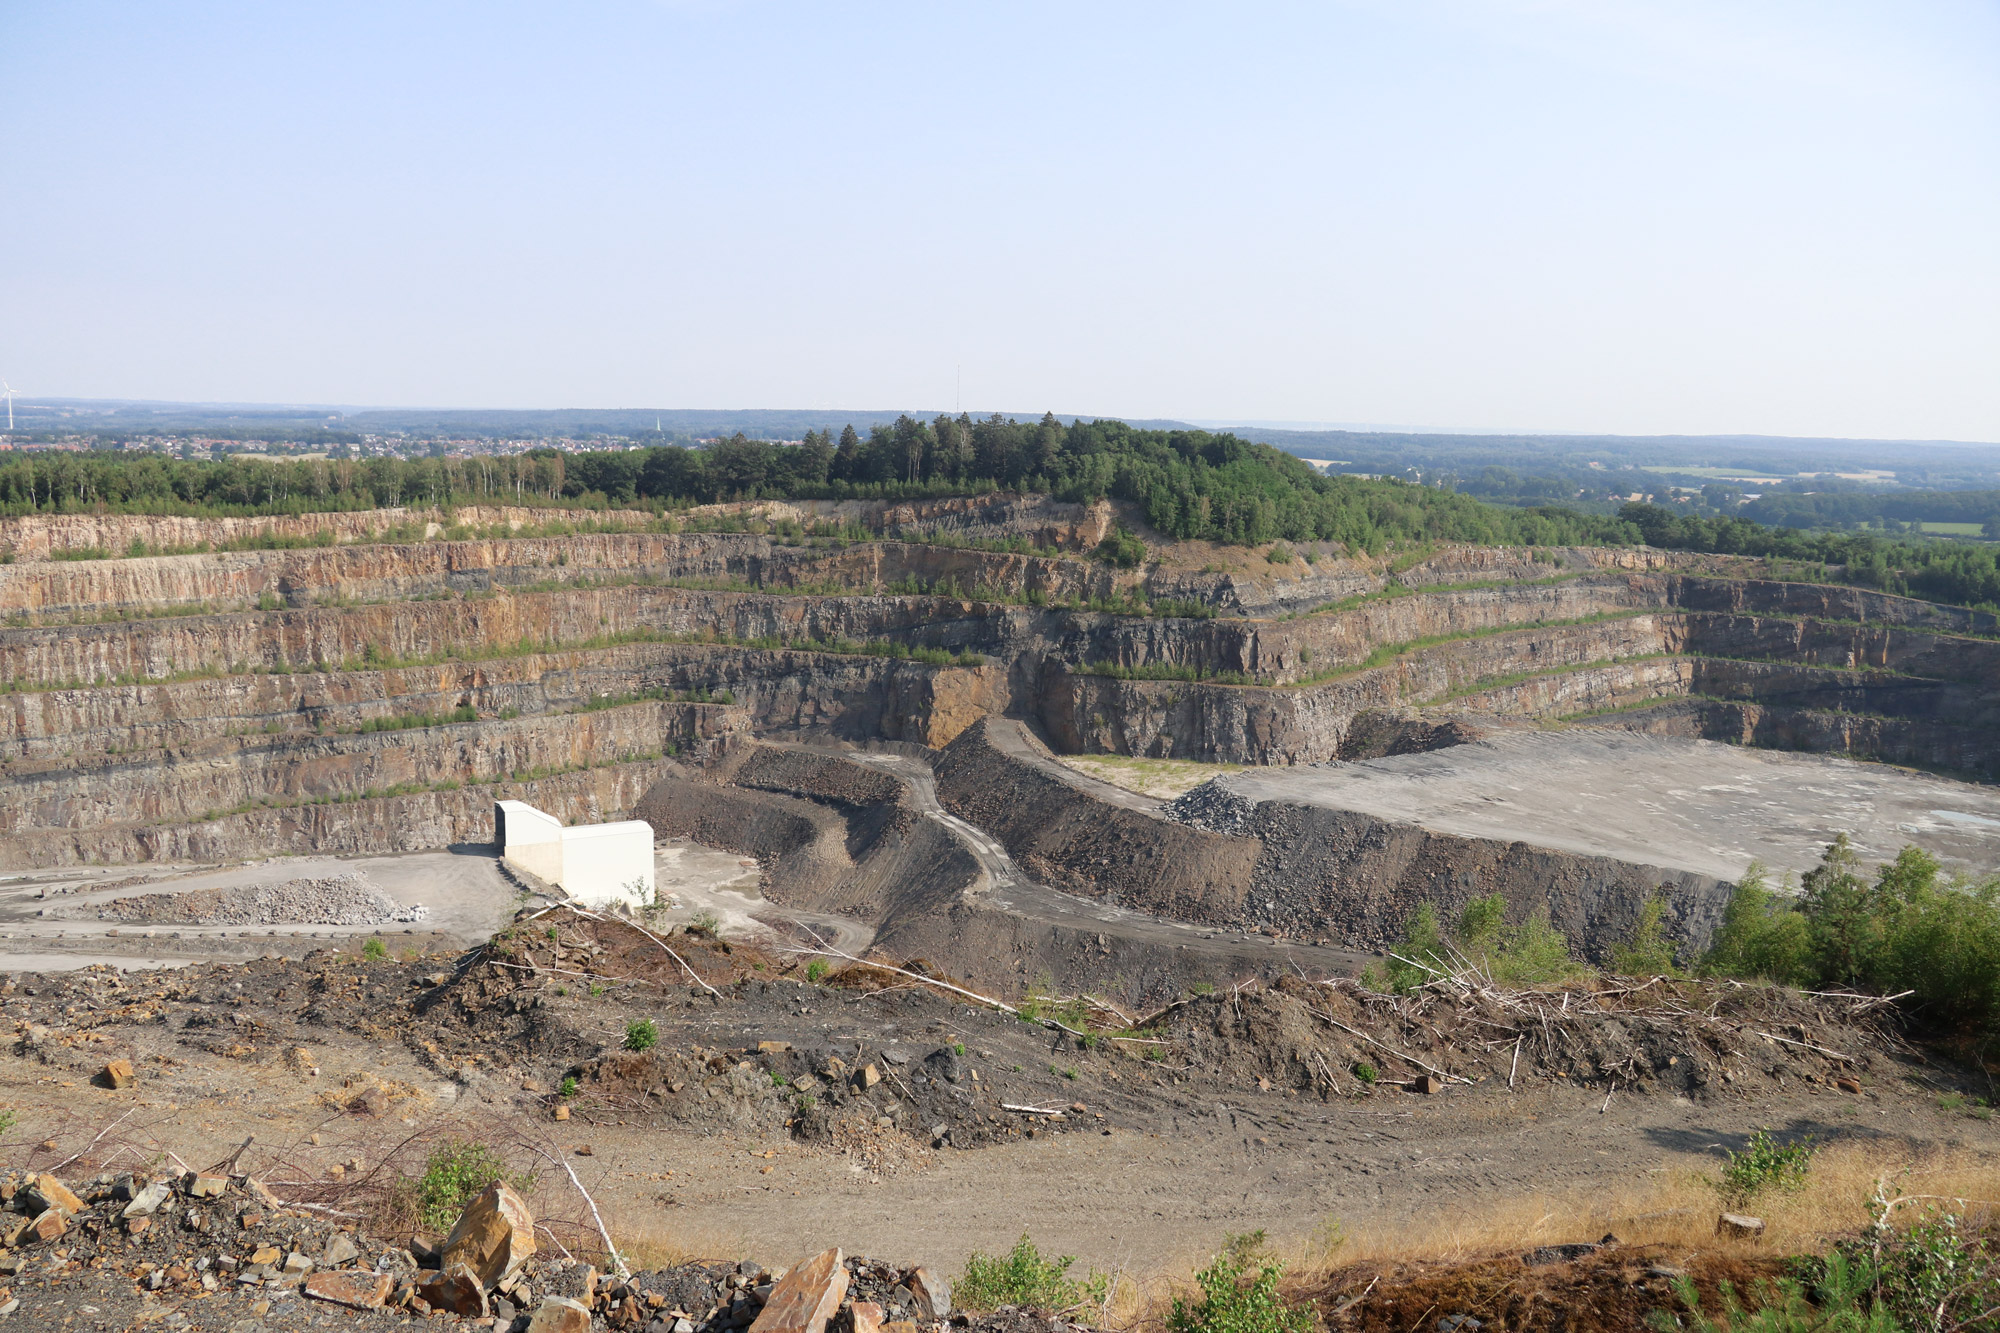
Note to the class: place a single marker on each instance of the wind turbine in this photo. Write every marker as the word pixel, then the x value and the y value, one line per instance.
pixel 9 396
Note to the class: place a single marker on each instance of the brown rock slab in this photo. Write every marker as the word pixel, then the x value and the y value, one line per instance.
pixel 930 1293
pixel 806 1297
pixel 208 1187
pixel 455 1289
pixel 1739 1225
pixel 495 1233
pixel 562 1113
pixel 49 1192
pixel 900 1326
pixel 1428 1084
pixel 867 1317
pixel 559 1314
pixel 51 1223
pixel 354 1289
pixel 117 1074
pixel 267 1254
pixel 1848 1084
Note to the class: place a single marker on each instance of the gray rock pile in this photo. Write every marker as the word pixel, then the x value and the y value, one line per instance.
pixel 1214 807
pixel 334 900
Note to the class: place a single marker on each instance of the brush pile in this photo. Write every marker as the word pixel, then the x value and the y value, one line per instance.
pixel 1694 1039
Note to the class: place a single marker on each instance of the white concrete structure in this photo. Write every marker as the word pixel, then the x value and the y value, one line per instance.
pixel 596 864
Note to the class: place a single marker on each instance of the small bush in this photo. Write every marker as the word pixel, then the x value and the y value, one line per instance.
pixel 1229 1304
pixel 816 970
pixel 705 923
pixel 568 1088
pixel 375 950
pixel 1648 953
pixel 641 1035
pixel 454 1174
pixel 1279 554
pixel 1764 1164
pixel 1023 1277
pixel 1366 1073
pixel 1121 548
pixel 1837 1304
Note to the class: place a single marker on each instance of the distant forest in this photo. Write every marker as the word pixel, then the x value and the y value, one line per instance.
pixel 1190 484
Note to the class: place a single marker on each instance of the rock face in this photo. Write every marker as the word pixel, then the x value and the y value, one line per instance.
pixel 494 1234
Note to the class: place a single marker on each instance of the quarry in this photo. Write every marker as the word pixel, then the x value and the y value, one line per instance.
pixel 392 828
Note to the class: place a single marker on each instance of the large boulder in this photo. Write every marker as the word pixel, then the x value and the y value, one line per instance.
pixel 495 1233
pixel 806 1297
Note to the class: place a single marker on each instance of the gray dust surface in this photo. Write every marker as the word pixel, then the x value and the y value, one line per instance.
pixel 1689 804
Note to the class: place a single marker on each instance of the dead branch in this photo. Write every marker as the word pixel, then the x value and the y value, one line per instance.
pixel 617 1259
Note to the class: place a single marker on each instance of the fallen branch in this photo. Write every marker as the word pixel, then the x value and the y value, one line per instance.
pixel 1408 1059
pixel 617 1259
pixel 1808 1045
pixel 826 950
pixel 1030 1110
pixel 93 1142
pixel 695 976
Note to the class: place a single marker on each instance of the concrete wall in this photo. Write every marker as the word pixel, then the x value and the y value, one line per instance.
pixel 595 864
pixel 609 863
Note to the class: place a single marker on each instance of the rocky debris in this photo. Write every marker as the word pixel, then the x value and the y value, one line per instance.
pixel 1739 1226
pixel 117 1074
pixel 334 900
pixel 1213 807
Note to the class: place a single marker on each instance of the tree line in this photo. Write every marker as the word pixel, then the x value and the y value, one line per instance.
pixel 1190 484
pixel 1960 573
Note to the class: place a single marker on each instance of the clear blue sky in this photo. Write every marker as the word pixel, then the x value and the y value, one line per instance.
pixel 1568 215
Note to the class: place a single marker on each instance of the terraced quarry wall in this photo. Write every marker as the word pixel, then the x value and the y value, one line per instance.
pixel 377 695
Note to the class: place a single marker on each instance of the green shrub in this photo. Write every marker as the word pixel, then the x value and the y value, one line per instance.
pixel 568 1088
pixel 1366 1073
pixel 375 949
pixel 641 1035
pixel 816 970
pixel 1764 1164
pixel 1530 954
pixel 454 1174
pixel 1648 953
pixel 1279 554
pixel 1838 1303
pixel 1121 548
pixel 1023 1277
pixel 1912 929
pixel 705 923
pixel 1229 1304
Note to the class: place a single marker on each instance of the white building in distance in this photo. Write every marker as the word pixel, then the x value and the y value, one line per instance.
pixel 595 864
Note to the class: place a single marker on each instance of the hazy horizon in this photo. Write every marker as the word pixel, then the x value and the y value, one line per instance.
pixel 1491 216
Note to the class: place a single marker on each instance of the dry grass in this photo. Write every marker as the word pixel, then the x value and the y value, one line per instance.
pixel 1669 1208
pixel 648 1243
pixel 1161 778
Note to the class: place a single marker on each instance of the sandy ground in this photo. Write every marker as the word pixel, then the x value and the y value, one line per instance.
pixel 1686 804
pixel 48 920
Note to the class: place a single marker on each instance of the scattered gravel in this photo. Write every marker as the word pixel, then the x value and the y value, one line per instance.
pixel 337 900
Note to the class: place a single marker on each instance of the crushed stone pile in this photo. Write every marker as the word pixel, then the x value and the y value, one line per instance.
pixel 1213 807
pixel 335 900
pixel 224 1250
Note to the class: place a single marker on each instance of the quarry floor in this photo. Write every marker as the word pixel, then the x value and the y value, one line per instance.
pixel 1683 804
pixel 1173 1166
